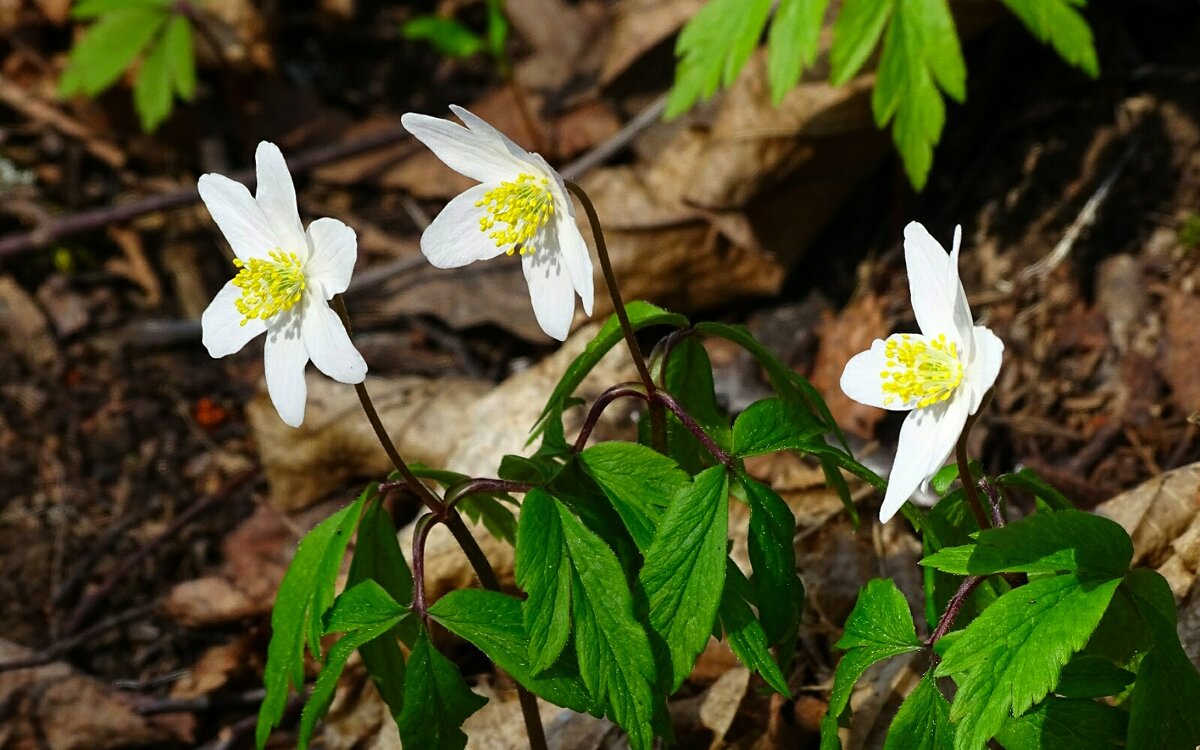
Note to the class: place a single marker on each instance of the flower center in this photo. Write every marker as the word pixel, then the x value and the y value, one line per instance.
pixel 523 207
pixel 923 370
pixel 269 285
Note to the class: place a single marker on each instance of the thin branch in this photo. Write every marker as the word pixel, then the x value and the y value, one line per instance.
pixel 953 607
pixel 621 390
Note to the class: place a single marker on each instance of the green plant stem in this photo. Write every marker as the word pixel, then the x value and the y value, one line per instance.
pixel 470 547
pixel 658 421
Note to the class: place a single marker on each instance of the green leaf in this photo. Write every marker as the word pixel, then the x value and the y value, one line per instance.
pixel 615 660
pixel 879 627
pixel 641 315
pixel 772 549
pixel 436 700
pixel 792 43
pixel 543 571
pixel 855 34
pixel 946 476
pixel 923 721
pixel 638 481
pixel 301 593
pixel 448 36
pixel 1064 541
pixel 713 48
pixel 377 558
pixel 1028 480
pixel 920 54
pixel 497 518
pixel 744 633
pixel 497 30
pixel 1011 656
pixel 1059 23
pixel 685 572
pixel 773 425
pixel 444 477
pixel 1062 724
pixel 1089 676
pixel 1167 689
pixel 687 375
pixel 492 621
pixel 86 9
pixel 177 38
pixel 152 90
pixel 109 47
pixel 365 613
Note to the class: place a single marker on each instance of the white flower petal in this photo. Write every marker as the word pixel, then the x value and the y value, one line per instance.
pixel 470 154
pixel 454 238
pixel 985 368
pixel 961 311
pixel 928 283
pixel 926 439
pixel 332 256
pixel 862 379
pixel 562 196
pixel 277 196
pixel 329 345
pixel 550 291
pixel 483 129
pixel 221 324
pixel 285 358
pixel 238 215
pixel 578 260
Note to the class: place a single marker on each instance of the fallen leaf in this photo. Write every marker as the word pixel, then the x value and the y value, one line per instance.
pixel 721 702
pixel 1181 350
pixel 25 327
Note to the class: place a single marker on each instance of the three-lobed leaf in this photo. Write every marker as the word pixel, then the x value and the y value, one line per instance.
pixel 436 700
pixel 684 573
pixel 879 627
pixel 1011 656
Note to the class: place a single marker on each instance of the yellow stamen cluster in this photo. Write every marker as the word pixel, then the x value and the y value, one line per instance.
pixel 269 285
pixel 925 371
pixel 523 207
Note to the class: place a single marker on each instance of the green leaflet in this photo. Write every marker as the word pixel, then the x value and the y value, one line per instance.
pixel 1027 479
pixel 436 700
pixel 492 621
pixel 773 555
pixel 713 48
pixel 879 627
pixel 153 88
pixel 744 633
pixel 543 571
pixel 1089 676
pixel 1167 690
pixel 774 425
pixel 1069 540
pixel 792 43
pixel 1059 23
pixel 855 34
pixel 687 375
pixel 304 595
pixel 181 55
pixel 641 315
pixel 1011 656
pixel 364 613
pixel 685 571
pixel 638 481
pixel 110 46
pixel 1063 724
pixel 377 558
pixel 923 721
pixel 448 36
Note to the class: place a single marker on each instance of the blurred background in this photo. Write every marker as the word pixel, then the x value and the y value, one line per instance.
pixel 150 499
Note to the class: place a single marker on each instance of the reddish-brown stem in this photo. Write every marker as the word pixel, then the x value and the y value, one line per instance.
pixel 993 493
pixel 953 607
pixel 621 390
pixel 658 422
pixel 691 426
pixel 482 484
pixel 421 531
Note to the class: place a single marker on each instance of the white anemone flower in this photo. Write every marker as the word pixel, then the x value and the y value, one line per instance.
pixel 520 206
pixel 939 376
pixel 284 280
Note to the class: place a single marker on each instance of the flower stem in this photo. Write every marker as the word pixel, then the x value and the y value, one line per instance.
pixel 658 423
pixel 470 547
pixel 970 489
pixel 953 607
